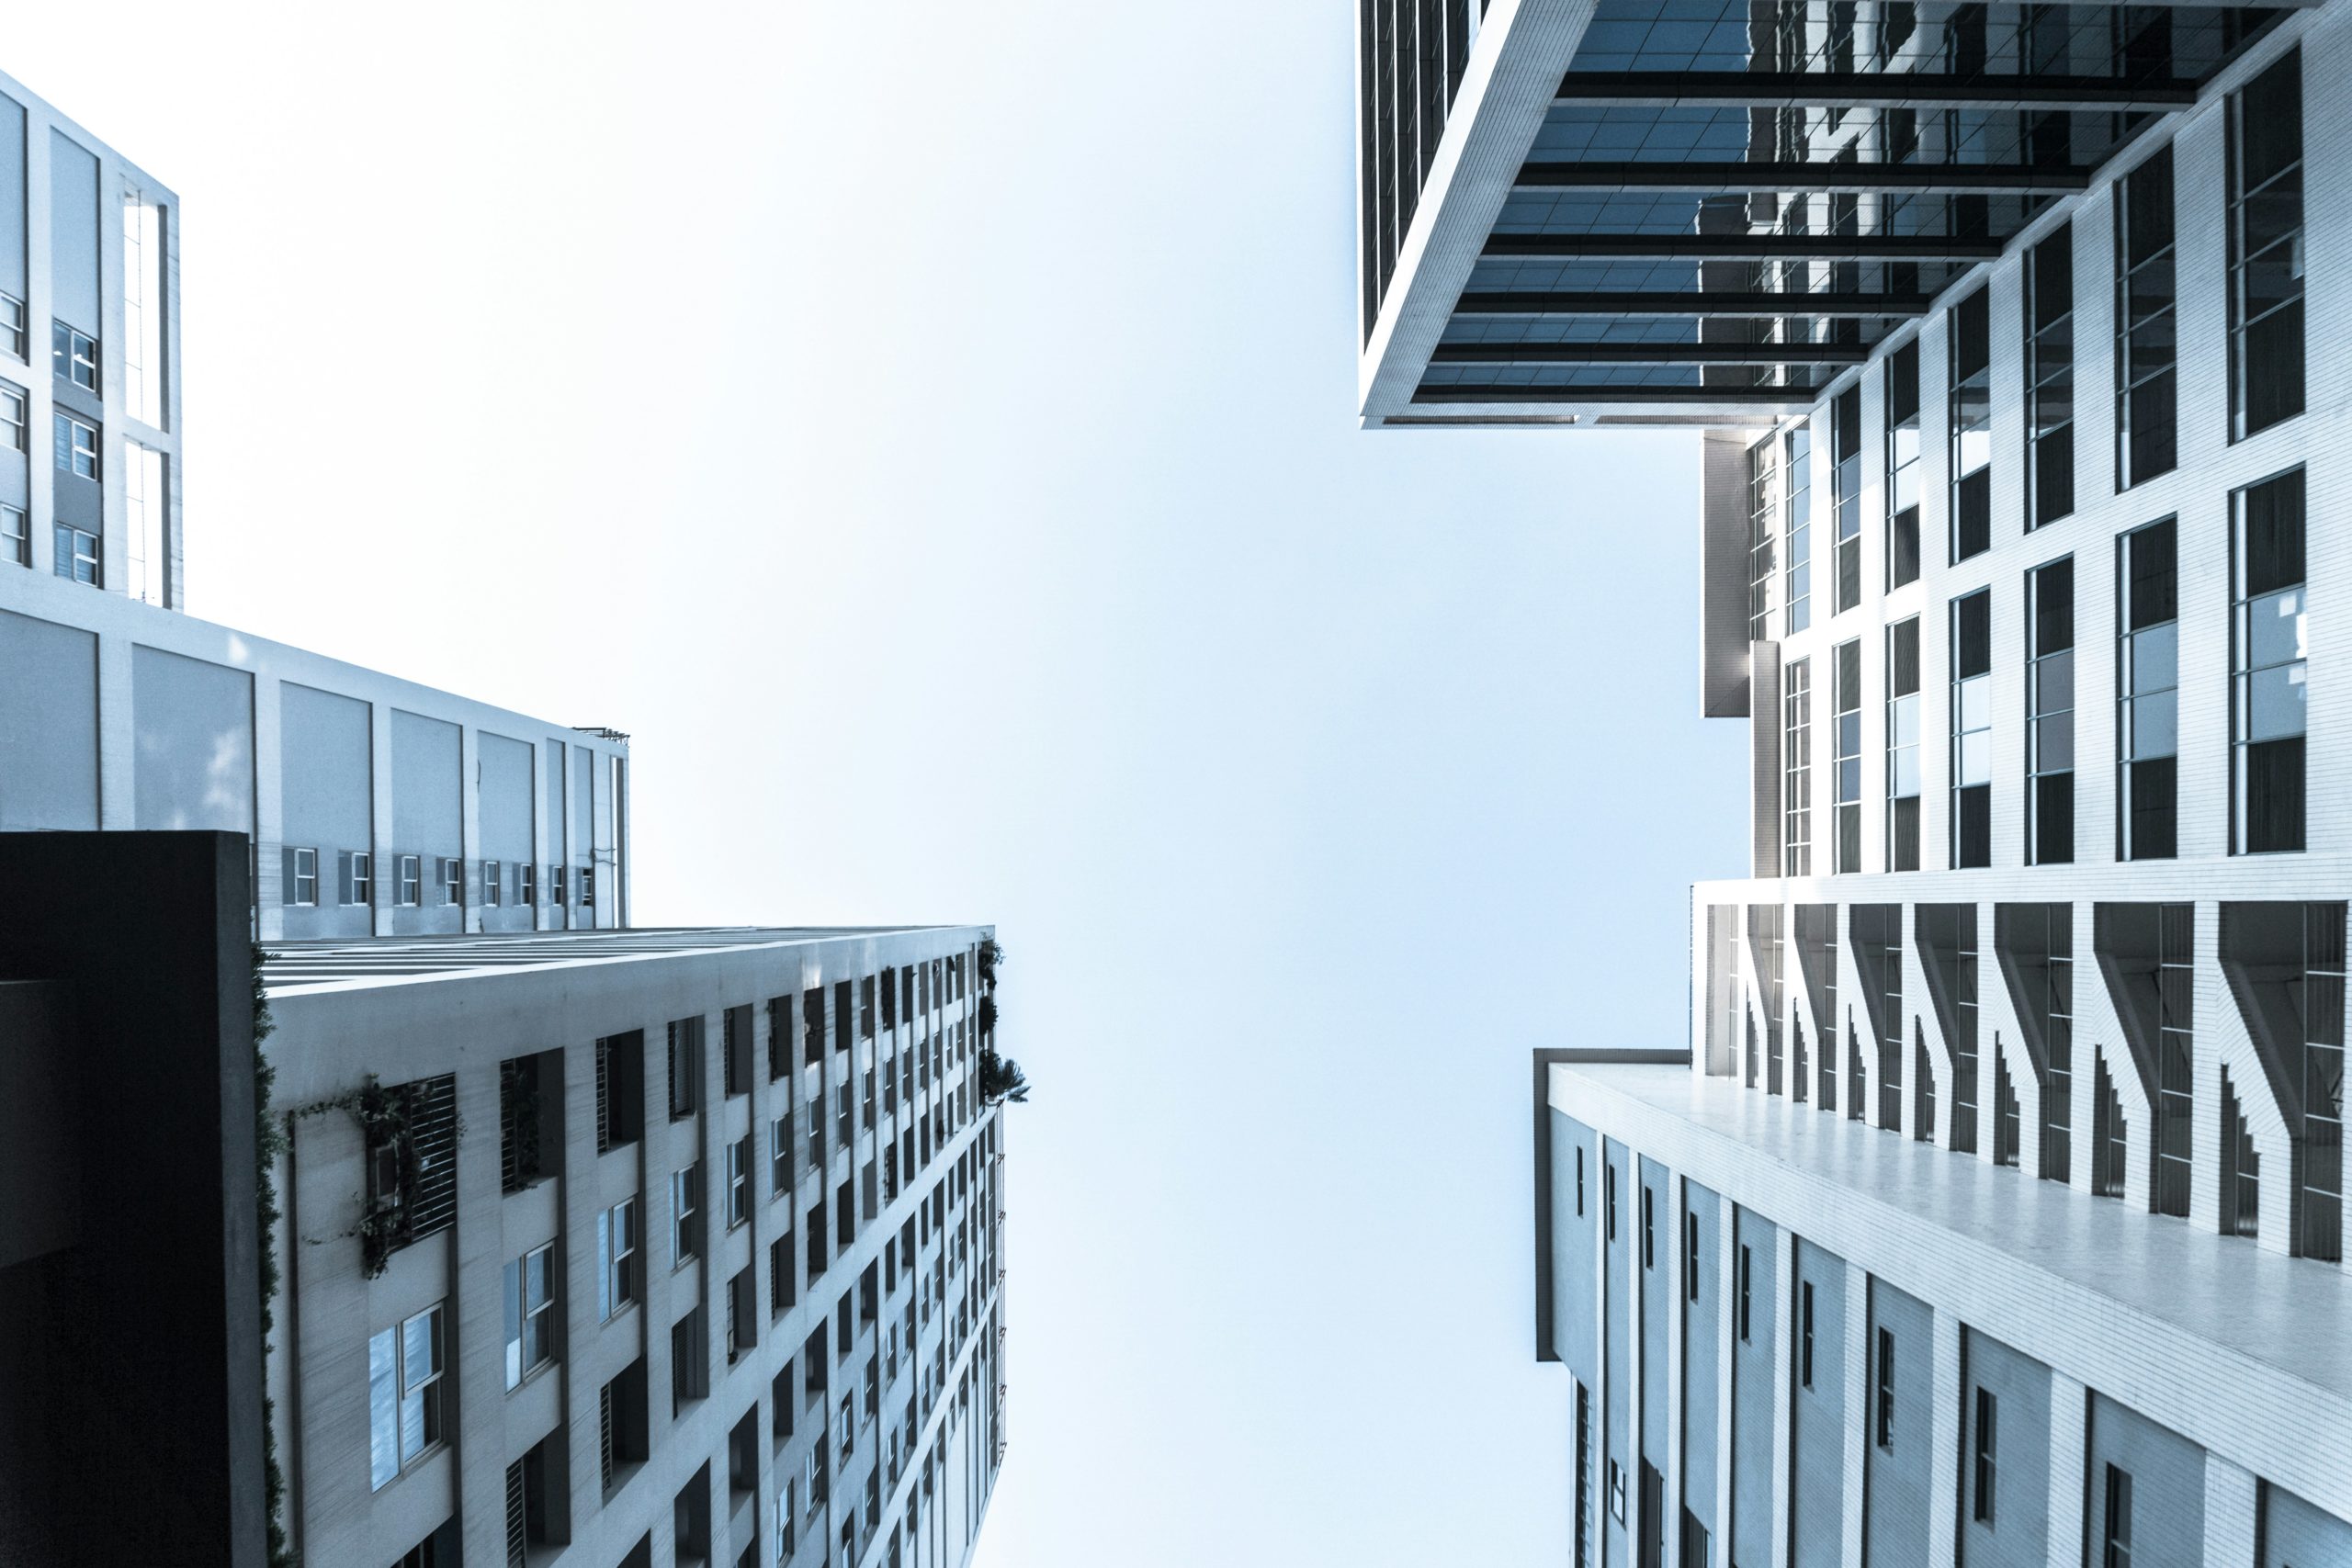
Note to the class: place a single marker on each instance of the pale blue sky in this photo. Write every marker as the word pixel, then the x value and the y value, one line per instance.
pixel 927 430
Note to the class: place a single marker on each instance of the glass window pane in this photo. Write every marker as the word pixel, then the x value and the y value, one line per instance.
pixel 2274 702
pixel 2155 727
pixel 383 1395
pixel 2155 658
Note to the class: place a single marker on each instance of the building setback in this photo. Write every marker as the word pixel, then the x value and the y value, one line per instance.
pixel 1994 1211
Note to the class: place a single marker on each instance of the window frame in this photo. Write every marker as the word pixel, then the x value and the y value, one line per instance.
pixel 406 1384
pixel 527 1322
pixel 306 877
pixel 411 888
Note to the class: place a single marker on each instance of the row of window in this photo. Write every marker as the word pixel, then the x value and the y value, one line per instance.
pixel 2264 290
pixel 501 882
pixel 2268 680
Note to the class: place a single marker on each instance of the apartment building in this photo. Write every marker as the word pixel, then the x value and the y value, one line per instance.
pixel 1994 1209
pixel 638 1247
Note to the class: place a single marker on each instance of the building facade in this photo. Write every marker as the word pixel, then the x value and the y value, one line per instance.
pixel 1995 1212
pixel 648 1247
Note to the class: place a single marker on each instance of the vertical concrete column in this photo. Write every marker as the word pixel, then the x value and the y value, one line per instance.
pixel 1785 1295
pixel 580 1366
pixel 2233 1501
pixel 479 1240
pixel 1857 1354
pixel 118 734
pixel 269 812
pixel 2070 1439
pixel 1943 1494
pixel 1677 1352
pixel 470 825
pixel 2212 1003
pixel 379 764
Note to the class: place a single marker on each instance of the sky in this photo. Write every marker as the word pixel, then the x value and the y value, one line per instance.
pixel 928 431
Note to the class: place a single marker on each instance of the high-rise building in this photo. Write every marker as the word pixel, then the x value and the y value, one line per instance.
pixel 594 1245
pixel 1993 1211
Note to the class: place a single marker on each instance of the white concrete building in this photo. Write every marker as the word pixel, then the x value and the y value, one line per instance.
pixel 1995 1211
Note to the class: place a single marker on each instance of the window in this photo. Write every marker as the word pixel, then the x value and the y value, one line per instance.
pixel 530 1313
pixel 16 535
pixel 16 418
pixel 685 1066
pixel 363 878
pixel 1968 423
pixel 686 1204
pixel 739 1181
pixel 305 891
pixel 620 1089
pixel 1846 664
pixel 453 880
pixel 1903 466
pixel 1804 1333
pixel 73 356
pixel 12 325
pixel 689 1359
pixel 1796 761
pixel 1797 468
pixel 2115 1530
pixel 411 884
pixel 2321 1222
pixel 527 889
pixel 735 1050
pixel 2145 346
pixel 2050 714
pixel 779 1155
pixel 555 886
pixel 493 874
pixel 1690 1256
pixel 1903 745
pixel 143 524
pixel 2176 1052
pixel 1883 1419
pixel 2266 225
pixel 1609 1195
pixel 1971 729
pixel 76 446
pixel 77 554
pixel 587 887
pixel 618 1263
pixel 1845 493
pixel 1579 1181
pixel 2269 665
pixel 2049 379
pixel 2147 678
pixel 1763 509
pixel 1649 1229
pixel 403 1395
pixel 1746 1291
pixel 1987 1431
pixel 142 307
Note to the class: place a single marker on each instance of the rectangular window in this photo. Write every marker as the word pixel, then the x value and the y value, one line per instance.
pixel 2050 714
pixel 685 1066
pixel 1987 1432
pixel 1804 1333
pixel 1845 493
pixel 1797 470
pixel 530 1313
pixel 1746 1291
pixel 76 446
pixel 12 325
pixel 1579 1181
pixel 527 885
pixel 453 880
pixel 404 1368
pixel 555 886
pixel 2269 665
pixel 16 535
pixel 1649 1229
pixel 2145 337
pixel 2322 1221
pixel 685 1217
pixel 2049 379
pixel 16 420
pixel 616 1259
pixel 1845 662
pixel 1903 745
pixel 587 887
pixel 306 878
pixel 2115 1529
pixel 1968 423
pixel 1903 465
pixel 493 874
pixel 1796 761
pixel 77 555
pixel 73 356
pixel 411 883
pixel 143 308
pixel 1971 729
pixel 2147 678
pixel 779 1155
pixel 2176 1054
pixel 1609 1196
pixel 739 1181
pixel 362 886
pixel 1763 515
pixel 1883 1416
pixel 2265 225
pixel 1690 1256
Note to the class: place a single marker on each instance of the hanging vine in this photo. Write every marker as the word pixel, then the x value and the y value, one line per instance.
pixel 269 1142
pixel 383 1117
pixel 1001 1078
